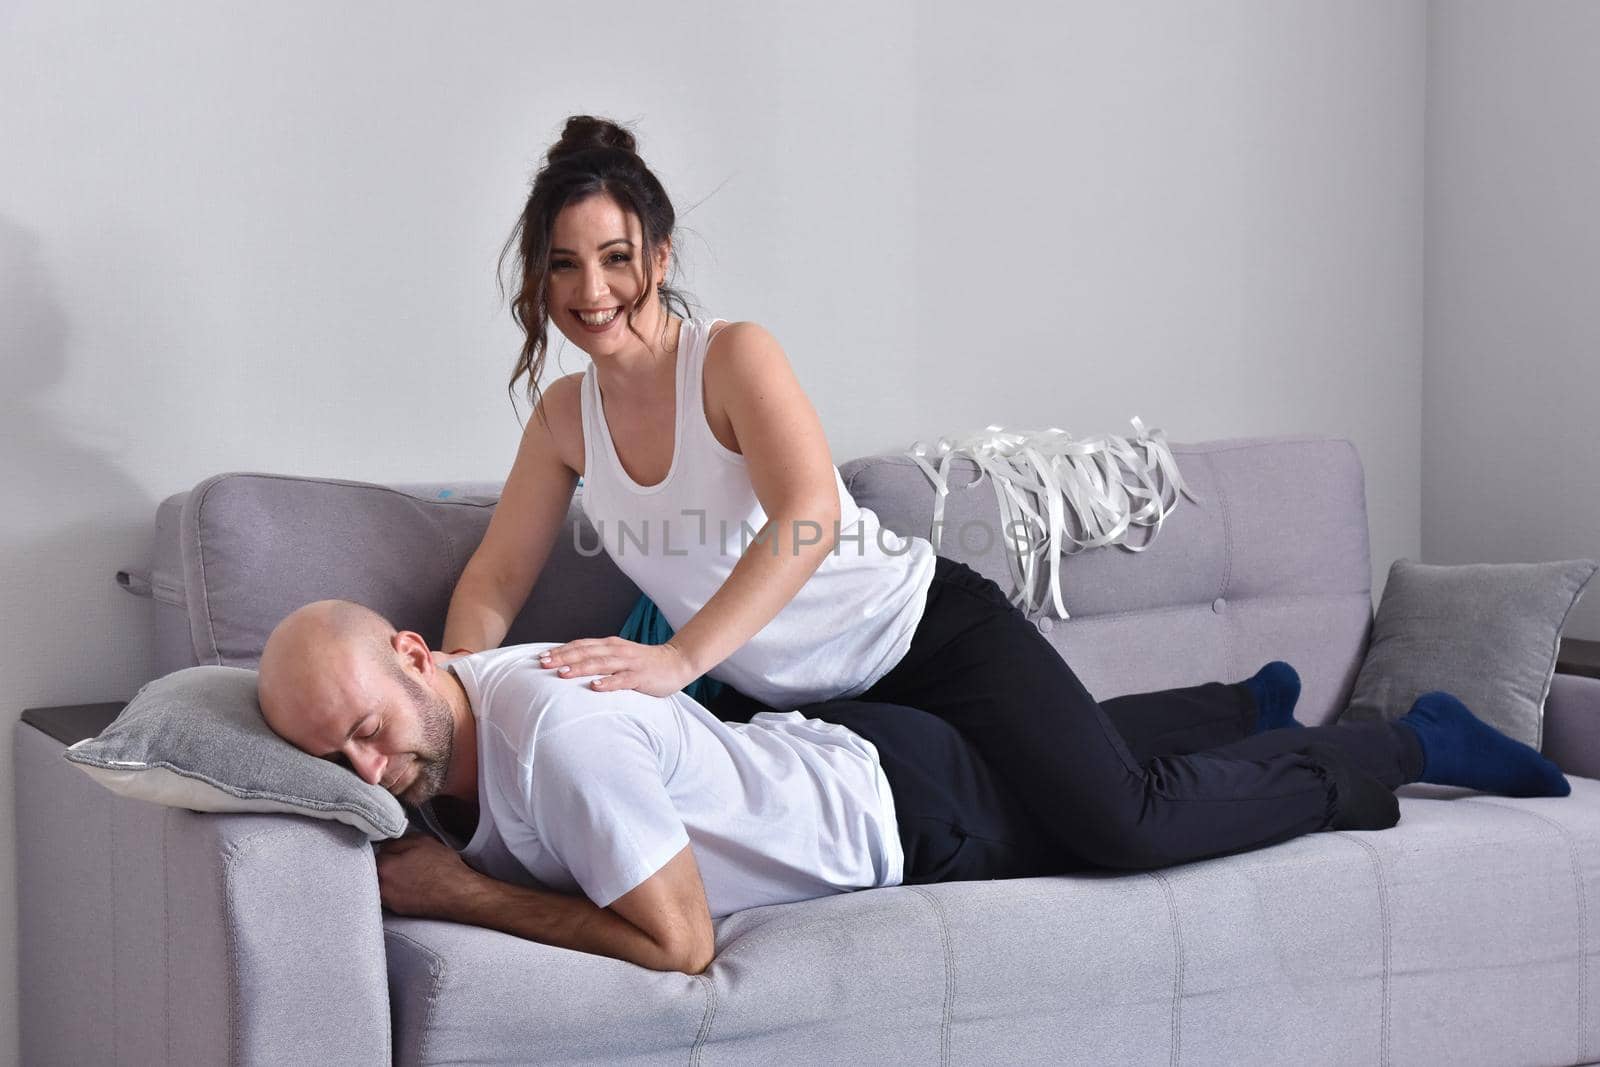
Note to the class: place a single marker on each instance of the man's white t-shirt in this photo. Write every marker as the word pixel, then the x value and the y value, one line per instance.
pixel 593 792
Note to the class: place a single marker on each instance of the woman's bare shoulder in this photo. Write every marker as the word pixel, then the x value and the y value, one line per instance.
pixel 747 343
pixel 564 390
pixel 752 393
pixel 560 403
pixel 742 359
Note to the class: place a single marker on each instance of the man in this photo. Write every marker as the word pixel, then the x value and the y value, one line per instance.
pixel 557 790
pixel 621 823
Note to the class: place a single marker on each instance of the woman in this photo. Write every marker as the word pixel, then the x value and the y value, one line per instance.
pixel 707 473
pixel 593 241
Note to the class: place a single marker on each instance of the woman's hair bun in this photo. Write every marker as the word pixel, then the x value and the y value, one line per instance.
pixel 585 132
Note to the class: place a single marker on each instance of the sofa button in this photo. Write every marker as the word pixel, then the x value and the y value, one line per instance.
pixel 1218 604
pixel 1046 624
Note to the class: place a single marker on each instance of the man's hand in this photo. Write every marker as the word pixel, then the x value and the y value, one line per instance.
pixel 422 877
pixel 659 670
pixel 661 923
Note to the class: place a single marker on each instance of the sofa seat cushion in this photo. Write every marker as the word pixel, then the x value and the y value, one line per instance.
pixel 1331 948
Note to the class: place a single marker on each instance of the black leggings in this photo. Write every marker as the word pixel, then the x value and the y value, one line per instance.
pixel 1055 781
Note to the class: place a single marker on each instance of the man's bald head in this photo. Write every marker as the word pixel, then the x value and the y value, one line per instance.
pixel 337 680
pixel 315 652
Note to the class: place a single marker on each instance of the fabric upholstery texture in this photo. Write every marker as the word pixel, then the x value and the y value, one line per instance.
pixel 195 739
pixel 156 935
pixel 1468 934
pixel 1465 935
pixel 1486 632
pixel 1572 725
pixel 253 547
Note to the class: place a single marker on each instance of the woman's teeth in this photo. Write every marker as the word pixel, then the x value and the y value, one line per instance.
pixel 598 318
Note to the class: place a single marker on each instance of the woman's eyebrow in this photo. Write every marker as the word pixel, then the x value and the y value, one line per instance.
pixel 608 244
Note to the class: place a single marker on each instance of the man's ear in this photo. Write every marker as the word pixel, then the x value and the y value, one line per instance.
pixel 415 649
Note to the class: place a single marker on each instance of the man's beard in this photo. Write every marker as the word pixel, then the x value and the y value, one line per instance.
pixel 438 740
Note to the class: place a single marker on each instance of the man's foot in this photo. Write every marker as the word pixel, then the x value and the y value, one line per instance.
pixel 1275 689
pixel 1458 748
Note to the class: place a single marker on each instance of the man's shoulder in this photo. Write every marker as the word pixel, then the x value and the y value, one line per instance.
pixel 571 706
pixel 488 670
pixel 509 685
pixel 593 742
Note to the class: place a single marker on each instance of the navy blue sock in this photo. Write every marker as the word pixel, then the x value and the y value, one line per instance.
pixel 1458 748
pixel 1275 688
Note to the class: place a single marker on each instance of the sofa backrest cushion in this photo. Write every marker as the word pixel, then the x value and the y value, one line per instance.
pixel 253 547
pixel 1271 563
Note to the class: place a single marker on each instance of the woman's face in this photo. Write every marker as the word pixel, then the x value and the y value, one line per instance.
pixel 596 272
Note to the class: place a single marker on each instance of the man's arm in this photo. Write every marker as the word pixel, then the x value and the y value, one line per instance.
pixel 662 923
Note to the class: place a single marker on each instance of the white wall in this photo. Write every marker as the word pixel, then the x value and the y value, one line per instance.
pixel 263 236
pixel 1512 370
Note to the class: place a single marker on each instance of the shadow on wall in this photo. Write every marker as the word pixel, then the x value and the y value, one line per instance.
pixel 67 633
pixel 72 515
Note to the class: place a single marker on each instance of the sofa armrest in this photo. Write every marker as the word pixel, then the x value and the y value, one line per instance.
pixel 1572 724
pixel 150 934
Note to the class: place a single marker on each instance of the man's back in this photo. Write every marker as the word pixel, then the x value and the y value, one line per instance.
pixel 592 792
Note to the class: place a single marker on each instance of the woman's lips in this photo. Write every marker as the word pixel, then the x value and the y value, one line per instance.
pixel 598 329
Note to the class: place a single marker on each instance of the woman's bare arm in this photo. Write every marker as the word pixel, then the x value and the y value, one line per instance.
pixel 530 515
pixel 791 470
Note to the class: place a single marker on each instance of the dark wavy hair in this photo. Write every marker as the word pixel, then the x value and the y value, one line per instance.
pixel 594 156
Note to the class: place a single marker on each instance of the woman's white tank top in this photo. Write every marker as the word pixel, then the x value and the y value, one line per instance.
pixel 680 538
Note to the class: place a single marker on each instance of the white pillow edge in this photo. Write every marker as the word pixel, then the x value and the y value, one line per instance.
pixel 159 785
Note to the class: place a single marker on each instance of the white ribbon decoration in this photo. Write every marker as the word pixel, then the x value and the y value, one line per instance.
pixel 1044 478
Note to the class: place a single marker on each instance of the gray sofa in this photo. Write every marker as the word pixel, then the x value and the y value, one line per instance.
pixel 1469 934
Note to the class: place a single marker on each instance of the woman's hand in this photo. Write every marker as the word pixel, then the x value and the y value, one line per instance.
pixel 659 670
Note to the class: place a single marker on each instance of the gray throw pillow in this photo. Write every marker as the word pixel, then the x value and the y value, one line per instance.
pixel 1486 632
pixel 196 739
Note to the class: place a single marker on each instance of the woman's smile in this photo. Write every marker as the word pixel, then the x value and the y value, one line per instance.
pixel 598 321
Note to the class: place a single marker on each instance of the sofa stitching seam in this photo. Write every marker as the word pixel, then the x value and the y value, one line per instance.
pixel 116 987
pixel 435 980
pixel 371 857
pixel 1227 553
pixel 1387 936
pixel 707 1018
pixel 1177 955
pixel 850 483
pixel 352 484
pixel 200 561
pixel 1576 864
pixel 231 933
pixel 1555 654
pixel 949 971
pixel 1205 606
pixel 443 532
pixel 230 854
pixel 166 934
